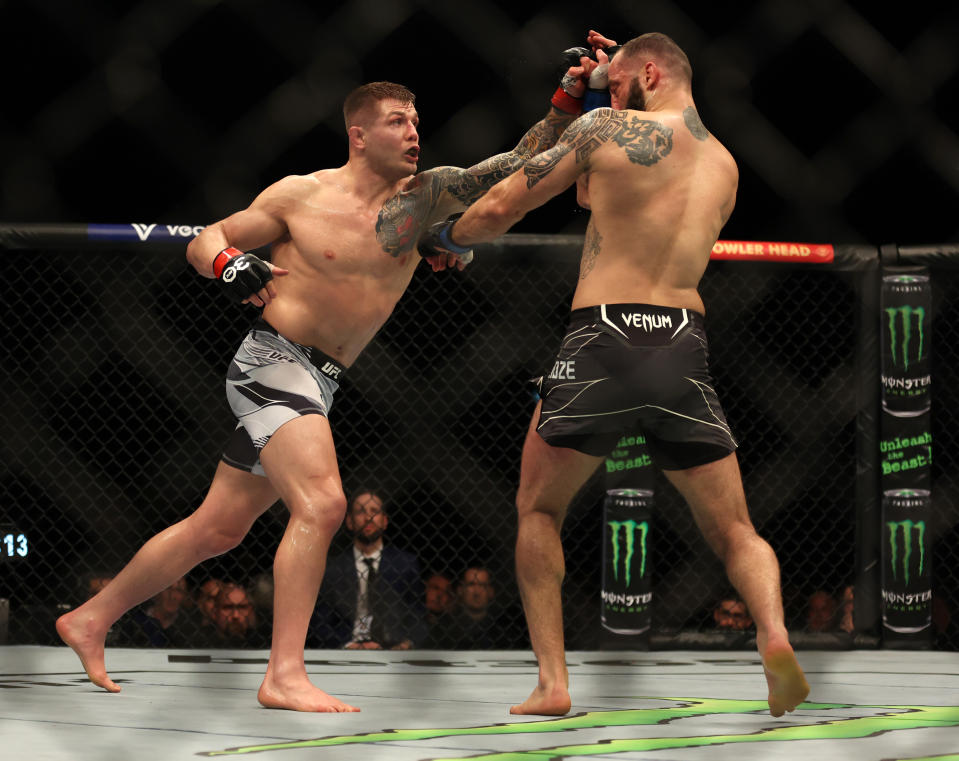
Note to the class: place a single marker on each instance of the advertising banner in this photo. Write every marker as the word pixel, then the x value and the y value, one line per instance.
pixel 906 456
pixel 627 593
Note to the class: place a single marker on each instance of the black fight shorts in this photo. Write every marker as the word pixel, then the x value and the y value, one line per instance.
pixel 623 366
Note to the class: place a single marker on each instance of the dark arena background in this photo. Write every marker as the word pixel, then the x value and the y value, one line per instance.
pixel 841 115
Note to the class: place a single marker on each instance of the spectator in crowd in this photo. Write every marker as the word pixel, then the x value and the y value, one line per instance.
pixel 474 624
pixel 198 620
pixel 372 594
pixel 234 621
pixel 821 611
pixel 845 613
pixel 439 598
pixel 731 614
pixel 205 598
pixel 159 623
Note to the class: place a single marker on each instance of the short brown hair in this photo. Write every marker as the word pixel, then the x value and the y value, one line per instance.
pixel 373 92
pixel 663 48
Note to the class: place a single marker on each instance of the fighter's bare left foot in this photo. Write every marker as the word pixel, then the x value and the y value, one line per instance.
pixel 86 637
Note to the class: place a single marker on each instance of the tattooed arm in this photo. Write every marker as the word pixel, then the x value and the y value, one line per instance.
pixel 644 141
pixel 436 193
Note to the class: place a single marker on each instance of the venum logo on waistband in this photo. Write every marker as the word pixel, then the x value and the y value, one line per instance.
pixel 647 322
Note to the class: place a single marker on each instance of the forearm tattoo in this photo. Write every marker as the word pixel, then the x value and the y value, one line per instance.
pixel 590 249
pixel 543 135
pixel 645 142
pixel 467 186
pixel 694 124
pixel 399 222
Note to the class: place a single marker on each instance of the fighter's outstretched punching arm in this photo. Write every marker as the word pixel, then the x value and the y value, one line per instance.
pixel 436 193
pixel 541 178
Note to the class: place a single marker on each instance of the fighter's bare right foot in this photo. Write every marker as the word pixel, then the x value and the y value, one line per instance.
pixel 82 633
pixel 787 683
pixel 300 697
pixel 545 701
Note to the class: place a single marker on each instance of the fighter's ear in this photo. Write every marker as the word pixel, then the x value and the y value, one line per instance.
pixel 357 136
pixel 651 75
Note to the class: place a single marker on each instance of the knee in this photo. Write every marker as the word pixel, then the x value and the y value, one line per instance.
pixel 729 540
pixel 532 505
pixel 320 507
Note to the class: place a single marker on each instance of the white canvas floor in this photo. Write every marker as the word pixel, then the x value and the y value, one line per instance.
pixel 429 705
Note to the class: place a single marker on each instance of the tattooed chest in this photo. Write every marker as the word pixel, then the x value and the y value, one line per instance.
pixel 399 223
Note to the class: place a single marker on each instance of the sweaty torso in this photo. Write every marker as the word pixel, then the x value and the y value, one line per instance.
pixel 342 285
pixel 660 191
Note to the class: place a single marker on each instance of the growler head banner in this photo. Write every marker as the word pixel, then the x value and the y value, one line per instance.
pixel 906 317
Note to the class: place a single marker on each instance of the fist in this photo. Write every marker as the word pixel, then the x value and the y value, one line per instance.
pixel 244 275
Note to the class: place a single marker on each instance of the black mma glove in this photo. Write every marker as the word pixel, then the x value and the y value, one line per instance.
pixel 437 241
pixel 241 275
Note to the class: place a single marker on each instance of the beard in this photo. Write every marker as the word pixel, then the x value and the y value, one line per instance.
pixel 635 98
pixel 367 538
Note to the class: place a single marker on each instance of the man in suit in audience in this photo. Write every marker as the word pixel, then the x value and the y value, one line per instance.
pixel 372 594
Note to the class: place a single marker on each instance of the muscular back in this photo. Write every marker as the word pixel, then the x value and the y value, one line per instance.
pixel 660 188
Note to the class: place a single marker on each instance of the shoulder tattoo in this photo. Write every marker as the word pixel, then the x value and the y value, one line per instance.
pixel 645 142
pixel 401 217
pixel 590 249
pixel 694 124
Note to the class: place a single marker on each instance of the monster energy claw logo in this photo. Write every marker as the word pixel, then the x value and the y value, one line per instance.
pixel 629 529
pixel 901 333
pixel 907 529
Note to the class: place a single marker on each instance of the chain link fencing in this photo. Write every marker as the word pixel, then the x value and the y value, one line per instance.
pixel 115 417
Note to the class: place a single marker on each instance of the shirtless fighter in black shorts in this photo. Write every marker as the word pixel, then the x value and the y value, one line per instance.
pixel 660 188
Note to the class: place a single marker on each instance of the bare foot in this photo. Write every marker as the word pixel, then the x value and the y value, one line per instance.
pixel 299 696
pixel 86 638
pixel 545 702
pixel 787 683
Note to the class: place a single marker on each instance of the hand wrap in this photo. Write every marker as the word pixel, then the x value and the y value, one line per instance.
pixel 597 94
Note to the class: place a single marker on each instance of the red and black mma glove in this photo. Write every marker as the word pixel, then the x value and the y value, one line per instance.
pixel 563 99
pixel 241 275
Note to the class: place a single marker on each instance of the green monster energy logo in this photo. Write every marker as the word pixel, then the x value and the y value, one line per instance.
pixel 907 527
pixel 905 314
pixel 629 529
pixel 877 719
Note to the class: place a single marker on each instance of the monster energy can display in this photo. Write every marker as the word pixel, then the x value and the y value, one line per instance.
pixel 906 561
pixel 627 588
pixel 906 316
